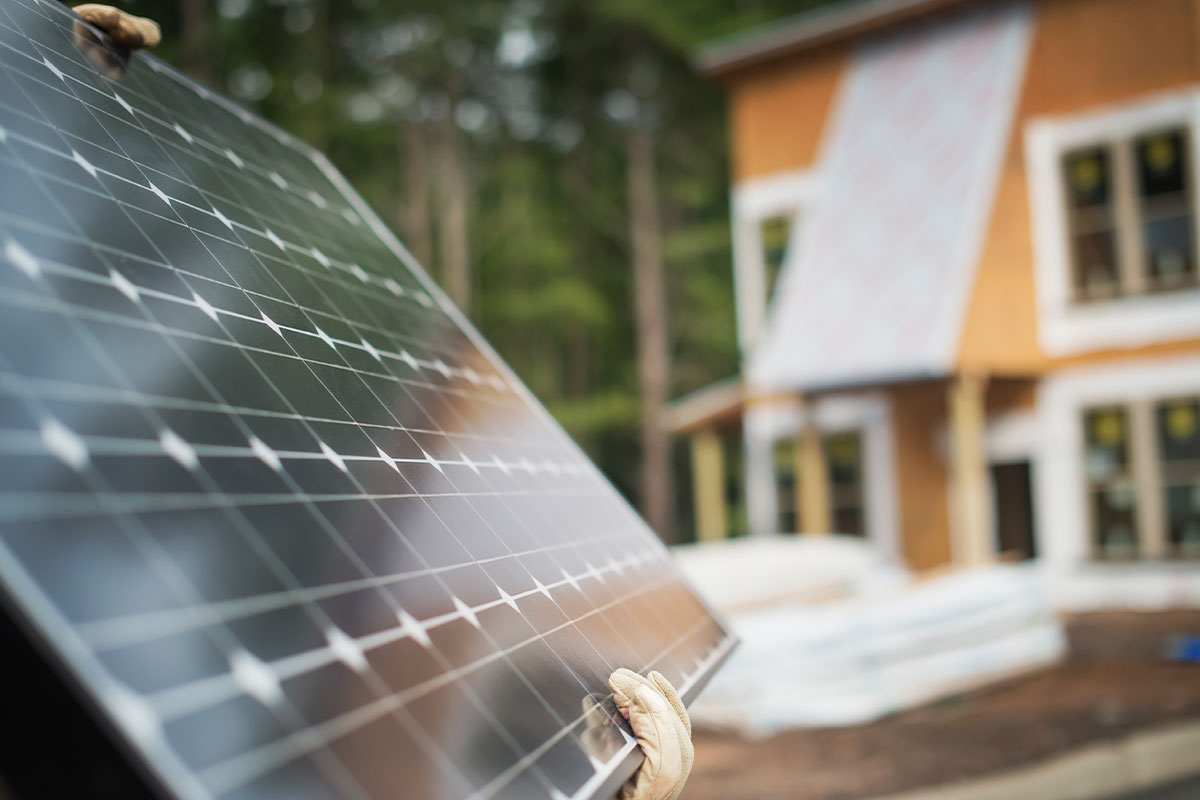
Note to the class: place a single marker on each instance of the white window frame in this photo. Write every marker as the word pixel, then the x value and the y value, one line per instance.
pixel 786 194
pixel 1063 519
pixel 868 413
pixel 1065 327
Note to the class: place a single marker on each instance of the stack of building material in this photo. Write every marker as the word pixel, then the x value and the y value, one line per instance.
pixel 885 644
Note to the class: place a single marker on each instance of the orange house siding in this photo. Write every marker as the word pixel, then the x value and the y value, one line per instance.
pixel 1085 54
pixel 918 417
pixel 777 112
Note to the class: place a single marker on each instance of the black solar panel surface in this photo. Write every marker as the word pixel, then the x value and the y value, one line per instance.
pixel 269 499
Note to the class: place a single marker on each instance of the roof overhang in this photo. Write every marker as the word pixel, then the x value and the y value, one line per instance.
pixel 805 31
pixel 717 405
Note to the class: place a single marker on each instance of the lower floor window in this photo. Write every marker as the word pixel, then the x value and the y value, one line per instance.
pixel 1178 423
pixel 1112 490
pixel 843 454
pixel 1142 466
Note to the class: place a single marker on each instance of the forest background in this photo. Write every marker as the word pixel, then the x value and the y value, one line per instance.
pixel 557 165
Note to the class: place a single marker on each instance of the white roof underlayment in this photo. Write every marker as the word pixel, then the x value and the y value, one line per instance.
pixel 876 285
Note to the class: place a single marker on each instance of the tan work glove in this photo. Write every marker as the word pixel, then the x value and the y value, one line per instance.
pixel 124 29
pixel 663 731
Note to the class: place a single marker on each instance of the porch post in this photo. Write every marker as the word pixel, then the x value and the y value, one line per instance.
pixel 708 485
pixel 816 513
pixel 972 538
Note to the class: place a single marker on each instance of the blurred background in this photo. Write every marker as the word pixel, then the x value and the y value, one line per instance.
pixel 884 312
pixel 537 157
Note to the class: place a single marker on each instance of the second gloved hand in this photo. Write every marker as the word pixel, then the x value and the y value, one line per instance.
pixel 663 731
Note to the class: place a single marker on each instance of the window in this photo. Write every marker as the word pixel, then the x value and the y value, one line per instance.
pixel 1142 465
pixel 843 453
pixel 1178 423
pixel 786 488
pixel 1111 490
pixel 1113 205
pixel 1092 223
pixel 1165 206
pixel 775 232
pixel 1129 216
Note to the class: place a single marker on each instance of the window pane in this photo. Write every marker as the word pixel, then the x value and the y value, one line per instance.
pixel 1164 197
pixel 843 453
pixel 1095 265
pixel 1179 449
pixel 776 233
pixel 1112 492
pixel 1090 220
pixel 788 520
pixel 1088 178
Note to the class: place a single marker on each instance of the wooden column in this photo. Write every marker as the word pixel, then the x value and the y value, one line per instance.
pixel 708 485
pixel 816 510
pixel 972 534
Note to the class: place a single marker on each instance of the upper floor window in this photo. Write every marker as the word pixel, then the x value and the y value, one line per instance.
pixel 775 233
pixel 1113 210
pixel 843 452
pixel 1129 214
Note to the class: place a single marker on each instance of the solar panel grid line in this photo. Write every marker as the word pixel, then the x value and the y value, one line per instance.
pixel 134 290
pixel 397 700
pixel 122 631
pixel 16 296
pixel 193 693
pixel 354 269
pixel 227 153
pixel 181 700
pixel 363 277
pixel 66 390
pixel 277 133
pixel 563 575
pixel 42 229
pixel 31 442
pixel 163 502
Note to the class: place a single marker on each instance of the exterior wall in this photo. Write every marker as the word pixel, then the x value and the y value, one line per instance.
pixel 1085 54
pixel 778 111
pixel 922 474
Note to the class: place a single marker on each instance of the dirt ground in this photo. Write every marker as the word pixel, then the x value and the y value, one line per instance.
pixel 1113 681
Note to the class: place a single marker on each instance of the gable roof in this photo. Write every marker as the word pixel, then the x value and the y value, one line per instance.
pixel 877 285
pixel 818 26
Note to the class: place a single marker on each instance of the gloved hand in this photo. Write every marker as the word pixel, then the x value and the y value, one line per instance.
pixel 663 731
pixel 124 29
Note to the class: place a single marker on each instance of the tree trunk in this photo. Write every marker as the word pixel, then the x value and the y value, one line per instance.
pixel 414 215
pixel 650 311
pixel 452 216
pixel 194 17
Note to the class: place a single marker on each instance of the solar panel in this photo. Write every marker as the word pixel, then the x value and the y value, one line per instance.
pixel 267 500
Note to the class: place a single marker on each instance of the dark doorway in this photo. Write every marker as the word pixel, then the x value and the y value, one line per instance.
pixel 1013 493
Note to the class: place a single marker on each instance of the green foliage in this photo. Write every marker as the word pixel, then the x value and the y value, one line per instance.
pixel 540 93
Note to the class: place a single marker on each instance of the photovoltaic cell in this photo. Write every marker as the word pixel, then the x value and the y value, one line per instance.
pixel 265 495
